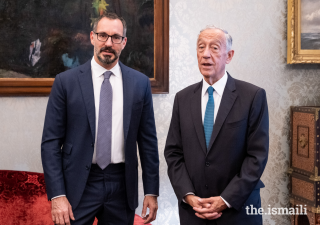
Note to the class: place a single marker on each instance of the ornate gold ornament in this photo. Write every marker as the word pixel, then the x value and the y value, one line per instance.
pixel 317 114
pixel 315 177
pixel 303 141
pixel 315 210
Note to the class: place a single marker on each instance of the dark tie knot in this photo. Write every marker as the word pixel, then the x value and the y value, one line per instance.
pixel 210 90
pixel 107 74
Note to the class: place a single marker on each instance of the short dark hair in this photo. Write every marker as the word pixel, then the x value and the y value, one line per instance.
pixel 111 16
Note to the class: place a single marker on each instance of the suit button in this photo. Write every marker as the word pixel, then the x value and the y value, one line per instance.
pixel 207 164
pixel 87 167
pixel 206 186
pixel 92 144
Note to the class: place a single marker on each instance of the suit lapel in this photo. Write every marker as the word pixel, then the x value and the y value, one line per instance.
pixel 195 105
pixel 228 98
pixel 85 80
pixel 128 94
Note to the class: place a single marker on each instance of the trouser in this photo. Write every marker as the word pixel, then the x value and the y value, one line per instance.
pixel 105 198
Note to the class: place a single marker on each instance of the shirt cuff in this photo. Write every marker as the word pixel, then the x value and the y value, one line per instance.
pixel 189 193
pixel 58 196
pixel 229 206
pixel 151 195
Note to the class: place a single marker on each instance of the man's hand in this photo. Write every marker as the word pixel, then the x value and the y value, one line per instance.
pixel 151 203
pixel 197 203
pixel 216 206
pixel 194 201
pixel 61 211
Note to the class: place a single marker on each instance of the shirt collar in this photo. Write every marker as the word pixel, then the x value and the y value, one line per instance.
pixel 99 70
pixel 218 86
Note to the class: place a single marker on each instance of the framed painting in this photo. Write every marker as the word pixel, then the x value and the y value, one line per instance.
pixel 43 38
pixel 303 34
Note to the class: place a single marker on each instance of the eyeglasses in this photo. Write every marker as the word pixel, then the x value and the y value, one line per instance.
pixel 116 39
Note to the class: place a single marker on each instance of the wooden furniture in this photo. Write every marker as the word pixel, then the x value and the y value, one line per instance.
pixel 304 165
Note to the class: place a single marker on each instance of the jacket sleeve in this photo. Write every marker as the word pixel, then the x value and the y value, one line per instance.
pixel 148 145
pixel 174 156
pixel 52 140
pixel 241 186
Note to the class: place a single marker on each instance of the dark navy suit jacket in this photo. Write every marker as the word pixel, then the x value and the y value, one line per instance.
pixel 69 134
pixel 236 157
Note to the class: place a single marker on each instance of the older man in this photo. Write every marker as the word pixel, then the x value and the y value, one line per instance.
pixel 97 114
pixel 217 145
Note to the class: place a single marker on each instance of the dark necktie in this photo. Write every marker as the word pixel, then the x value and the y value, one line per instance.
pixel 104 137
pixel 209 117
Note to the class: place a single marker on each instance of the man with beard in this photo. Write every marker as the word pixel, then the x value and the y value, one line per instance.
pixel 96 115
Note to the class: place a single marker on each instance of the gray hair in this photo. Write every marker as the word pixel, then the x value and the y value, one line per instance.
pixel 228 36
pixel 111 16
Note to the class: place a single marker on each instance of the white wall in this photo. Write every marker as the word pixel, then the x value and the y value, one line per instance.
pixel 258 29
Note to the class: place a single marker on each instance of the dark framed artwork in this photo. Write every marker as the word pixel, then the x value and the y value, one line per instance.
pixel 43 38
pixel 303 37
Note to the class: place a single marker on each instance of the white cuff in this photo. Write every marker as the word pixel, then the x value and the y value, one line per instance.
pixel 189 193
pixel 58 196
pixel 229 206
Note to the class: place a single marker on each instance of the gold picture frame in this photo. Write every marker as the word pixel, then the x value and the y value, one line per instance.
pixel 296 55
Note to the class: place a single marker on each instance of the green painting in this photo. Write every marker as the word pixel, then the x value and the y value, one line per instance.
pixel 41 38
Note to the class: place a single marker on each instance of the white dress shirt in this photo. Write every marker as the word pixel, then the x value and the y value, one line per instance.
pixel 217 96
pixel 117 139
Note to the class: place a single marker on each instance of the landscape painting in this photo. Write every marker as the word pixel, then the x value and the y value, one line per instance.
pixel 310 24
pixel 43 38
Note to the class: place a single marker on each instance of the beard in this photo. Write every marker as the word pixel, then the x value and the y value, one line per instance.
pixel 107 59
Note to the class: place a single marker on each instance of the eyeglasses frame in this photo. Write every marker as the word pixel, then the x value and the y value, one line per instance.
pixel 108 37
